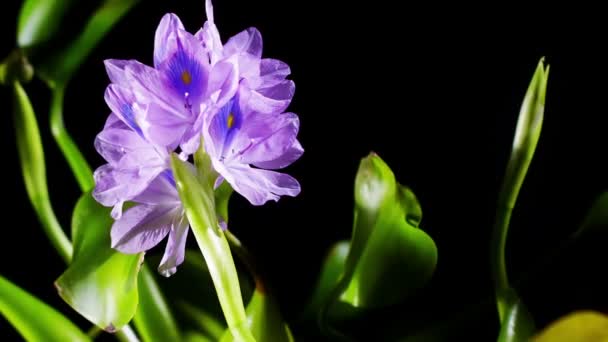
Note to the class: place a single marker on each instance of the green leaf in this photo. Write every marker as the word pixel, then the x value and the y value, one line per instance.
pixel 518 325
pixel 597 216
pixel 265 320
pixel 205 321
pixel 39 20
pixel 198 200
pixel 60 68
pixel 331 270
pixel 100 283
pixel 527 134
pixel 153 319
pixel 33 319
pixel 579 326
pixel 192 336
pixel 400 257
pixel 31 156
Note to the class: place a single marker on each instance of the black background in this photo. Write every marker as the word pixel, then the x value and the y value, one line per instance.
pixel 435 91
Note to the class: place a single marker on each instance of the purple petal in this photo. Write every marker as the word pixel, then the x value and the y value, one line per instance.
pixel 270 137
pixel 223 82
pixel 122 103
pixel 107 191
pixel 257 185
pixel 291 155
pixel 176 247
pixel 149 85
pixel 113 143
pixel 273 99
pixel 165 32
pixel 116 70
pixel 114 186
pixel 160 191
pixel 273 71
pixel 143 227
pixel 162 127
pixel 114 122
pixel 248 41
pixel 209 37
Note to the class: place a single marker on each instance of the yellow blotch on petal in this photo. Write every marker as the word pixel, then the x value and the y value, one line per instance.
pixel 186 77
pixel 230 120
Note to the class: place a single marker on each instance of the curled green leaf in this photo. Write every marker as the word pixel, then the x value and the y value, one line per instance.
pixel 100 283
pixel 390 258
pixel 331 270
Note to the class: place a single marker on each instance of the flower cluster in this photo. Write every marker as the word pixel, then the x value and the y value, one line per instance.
pixel 226 94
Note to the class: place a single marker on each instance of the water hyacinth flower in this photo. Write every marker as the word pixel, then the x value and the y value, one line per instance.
pixel 262 83
pixel 237 139
pixel 226 94
pixel 169 100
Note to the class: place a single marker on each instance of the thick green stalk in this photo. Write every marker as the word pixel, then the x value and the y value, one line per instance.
pixel 199 204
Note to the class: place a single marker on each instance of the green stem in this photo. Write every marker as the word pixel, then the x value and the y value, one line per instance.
pixel 499 268
pixel 198 200
pixel 53 229
pixel 126 334
pixel 213 245
pixel 31 155
pixel 76 161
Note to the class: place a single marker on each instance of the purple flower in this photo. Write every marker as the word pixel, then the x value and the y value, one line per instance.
pixel 169 101
pixel 237 139
pixel 262 84
pixel 227 94
pixel 158 213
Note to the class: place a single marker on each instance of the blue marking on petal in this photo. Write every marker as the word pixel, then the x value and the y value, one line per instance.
pixel 185 73
pixel 229 120
pixel 168 176
pixel 127 113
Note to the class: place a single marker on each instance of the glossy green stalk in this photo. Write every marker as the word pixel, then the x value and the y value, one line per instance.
pixel 524 144
pixel 197 198
pixel 31 155
pixel 81 169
